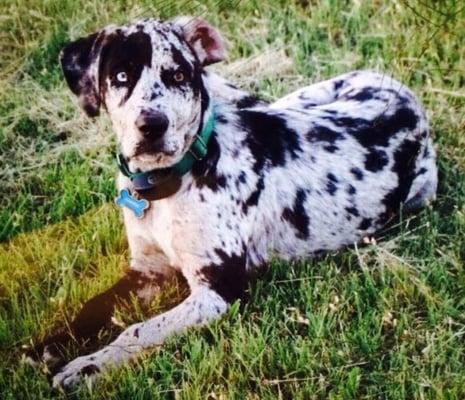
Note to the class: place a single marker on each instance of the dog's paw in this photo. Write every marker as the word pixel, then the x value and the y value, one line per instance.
pixel 75 372
pixel 48 353
pixel 42 356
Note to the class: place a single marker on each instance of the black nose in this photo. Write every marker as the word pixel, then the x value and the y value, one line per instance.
pixel 152 124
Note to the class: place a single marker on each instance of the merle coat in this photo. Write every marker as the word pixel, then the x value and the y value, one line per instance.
pixel 312 172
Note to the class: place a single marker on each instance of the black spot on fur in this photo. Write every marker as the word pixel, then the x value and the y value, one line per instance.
pixel 221 182
pixel 353 211
pixel 404 166
pixel 228 277
pixel 338 84
pixel 323 134
pixel 308 105
pixel 269 139
pixel 376 160
pixel 426 152
pixel 89 370
pixel 357 173
pixel 365 94
pixel 154 95
pixel 204 171
pixel 379 131
pixel 122 53
pixel 248 101
pixel 214 183
pixel 220 118
pixel 252 200
pixel 297 215
pixel 332 177
pixel 348 123
pixel 242 178
pixel 179 59
pixel 365 224
pixel 331 186
pixel 351 190
pixel 192 78
pixel 331 149
pixel 136 333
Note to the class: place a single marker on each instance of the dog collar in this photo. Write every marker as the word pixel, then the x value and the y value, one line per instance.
pixel 163 182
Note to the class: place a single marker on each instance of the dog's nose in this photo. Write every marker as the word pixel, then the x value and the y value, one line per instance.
pixel 152 123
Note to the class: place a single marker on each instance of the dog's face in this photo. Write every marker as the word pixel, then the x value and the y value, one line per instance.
pixel 148 76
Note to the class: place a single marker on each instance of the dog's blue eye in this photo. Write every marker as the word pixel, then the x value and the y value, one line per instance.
pixel 122 77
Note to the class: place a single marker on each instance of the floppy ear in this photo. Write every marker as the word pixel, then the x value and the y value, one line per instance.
pixel 79 61
pixel 203 38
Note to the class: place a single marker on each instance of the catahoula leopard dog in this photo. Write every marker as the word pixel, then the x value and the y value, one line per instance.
pixel 213 181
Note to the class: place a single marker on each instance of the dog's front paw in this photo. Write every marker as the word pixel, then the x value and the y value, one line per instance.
pixel 44 354
pixel 78 370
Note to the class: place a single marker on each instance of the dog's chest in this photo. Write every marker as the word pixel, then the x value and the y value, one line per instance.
pixel 161 225
pixel 156 227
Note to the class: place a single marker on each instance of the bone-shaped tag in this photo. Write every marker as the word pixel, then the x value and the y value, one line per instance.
pixel 138 207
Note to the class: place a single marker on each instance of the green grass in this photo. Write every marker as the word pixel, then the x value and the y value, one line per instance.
pixel 382 321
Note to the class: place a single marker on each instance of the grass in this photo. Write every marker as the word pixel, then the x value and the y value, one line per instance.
pixel 383 321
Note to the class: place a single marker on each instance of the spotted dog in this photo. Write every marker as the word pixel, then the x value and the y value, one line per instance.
pixel 230 180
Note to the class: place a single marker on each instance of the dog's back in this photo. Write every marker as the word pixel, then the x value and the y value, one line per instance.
pixel 354 149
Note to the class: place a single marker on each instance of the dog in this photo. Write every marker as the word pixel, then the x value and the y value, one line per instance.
pixel 214 182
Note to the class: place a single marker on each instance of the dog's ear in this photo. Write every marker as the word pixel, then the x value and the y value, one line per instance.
pixel 204 39
pixel 79 61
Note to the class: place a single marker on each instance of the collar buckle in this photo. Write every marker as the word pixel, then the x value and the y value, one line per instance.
pixel 198 148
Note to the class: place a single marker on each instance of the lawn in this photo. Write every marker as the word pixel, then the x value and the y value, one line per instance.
pixel 385 320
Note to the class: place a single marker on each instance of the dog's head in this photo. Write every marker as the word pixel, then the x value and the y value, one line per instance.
pixel 148 76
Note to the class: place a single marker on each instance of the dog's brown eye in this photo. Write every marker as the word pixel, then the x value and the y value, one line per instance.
pixel 122 77
pixel 178 76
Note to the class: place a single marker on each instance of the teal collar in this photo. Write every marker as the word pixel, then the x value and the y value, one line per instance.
pixel 160 178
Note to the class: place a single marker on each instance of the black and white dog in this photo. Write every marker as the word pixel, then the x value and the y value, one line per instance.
pixel 215 182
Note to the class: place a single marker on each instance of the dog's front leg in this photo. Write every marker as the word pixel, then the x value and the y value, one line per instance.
pixel 201 306
pixel 97 312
